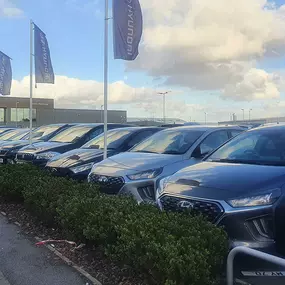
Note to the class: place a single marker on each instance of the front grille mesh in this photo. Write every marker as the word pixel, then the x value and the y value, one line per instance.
pixel 107 184
pixel 211 210
pixel 25 156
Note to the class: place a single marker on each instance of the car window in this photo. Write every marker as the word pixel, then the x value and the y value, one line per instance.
pixel 254 147
pixel 7 135
pixel 42 132
pixel 234 133
pixel 213 141
pixel 171 141
pixel 71 135
pixel 96 132
pixel 140 137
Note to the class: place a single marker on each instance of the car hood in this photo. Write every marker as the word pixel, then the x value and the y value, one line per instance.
pixel 42 147
pixel 77 157
pixel 128 162
pixel 223 181
pixel 14 144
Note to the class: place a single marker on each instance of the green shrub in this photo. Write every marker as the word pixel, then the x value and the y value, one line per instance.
pixel 172 248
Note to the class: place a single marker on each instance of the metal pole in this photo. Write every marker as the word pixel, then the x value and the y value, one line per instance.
pixel 164 119
pixel 251 252
pixel 205 118
pixel 17 114
pixel 106 78
pixel 249 113
pixel 242 114
pixel 102 113
pixel 31 79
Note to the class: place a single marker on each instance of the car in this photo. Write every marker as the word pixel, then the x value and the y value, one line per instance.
pixel 77 163
pixel 13 135
pixel 240 186
pixel 69 139
pixel 8 150
pixel 138 171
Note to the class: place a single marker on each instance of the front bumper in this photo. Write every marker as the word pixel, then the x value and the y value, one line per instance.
pixel 252 227
pixel 66 172
pixel 141 190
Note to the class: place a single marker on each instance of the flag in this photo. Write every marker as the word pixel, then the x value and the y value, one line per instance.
pixel 127 28
pixel 43 66
pixel 5 74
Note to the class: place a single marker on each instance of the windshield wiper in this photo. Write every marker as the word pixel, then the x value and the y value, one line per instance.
pixel 172 152
pixel 144 151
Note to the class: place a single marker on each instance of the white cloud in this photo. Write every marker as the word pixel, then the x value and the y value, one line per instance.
pixel 7 9
pixel 210 45
pixel 76 93
pixel 256 84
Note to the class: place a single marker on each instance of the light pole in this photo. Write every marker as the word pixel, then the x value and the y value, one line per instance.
pixel 102 113
pixel 234 116
pixel 164 104
pixel 17 114
pixel 205 113
pixel 242 114
pixel 249 113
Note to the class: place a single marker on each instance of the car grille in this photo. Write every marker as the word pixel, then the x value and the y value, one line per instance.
pixel 108 184
pixel 211 210
pixel 147 192
pixel 58 171
pixel 25 156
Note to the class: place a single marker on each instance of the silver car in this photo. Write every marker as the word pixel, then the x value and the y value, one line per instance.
pixel 139 171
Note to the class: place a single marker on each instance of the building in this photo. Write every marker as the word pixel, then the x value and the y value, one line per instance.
pixel 14 111
pixel 154 121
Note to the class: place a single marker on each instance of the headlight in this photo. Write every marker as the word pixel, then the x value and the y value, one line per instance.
pixel 162 184
pixel 82 168
pixel 148 174
pixel 254 201
pixel 47 155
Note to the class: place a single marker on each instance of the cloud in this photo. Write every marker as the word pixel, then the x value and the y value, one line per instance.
pixel 75 93
pixel 256 84
pixel 7 9
pixel 208 45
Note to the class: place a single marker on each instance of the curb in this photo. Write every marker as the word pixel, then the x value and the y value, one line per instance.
pixel 66 260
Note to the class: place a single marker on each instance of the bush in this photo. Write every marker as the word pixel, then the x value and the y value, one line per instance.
pixel 171 248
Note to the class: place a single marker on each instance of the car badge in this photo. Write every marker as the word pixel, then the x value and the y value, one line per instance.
pixel 53 170
pixel 185 205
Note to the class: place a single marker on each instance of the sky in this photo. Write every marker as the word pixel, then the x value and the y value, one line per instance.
pixel 216 57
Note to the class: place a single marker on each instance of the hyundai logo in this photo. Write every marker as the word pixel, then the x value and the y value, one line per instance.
pixel 185 205
pixel 103 179
pixel 53 170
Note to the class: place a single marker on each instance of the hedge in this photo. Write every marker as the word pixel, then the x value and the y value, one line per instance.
pixel 169 248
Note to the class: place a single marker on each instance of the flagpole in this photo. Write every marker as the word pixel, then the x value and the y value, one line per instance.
pixel 106 78
pixel 31 79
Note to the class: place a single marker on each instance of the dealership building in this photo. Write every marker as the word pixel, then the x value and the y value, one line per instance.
pixel 14 111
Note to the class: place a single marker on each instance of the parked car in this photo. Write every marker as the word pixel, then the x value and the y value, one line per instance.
pixel 138 171
pixel 9 150
pixel 13 135
pixel 240 186
pixel 69 139
pixel 78 162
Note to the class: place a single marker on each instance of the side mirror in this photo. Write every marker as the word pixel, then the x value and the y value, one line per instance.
pixel 197 153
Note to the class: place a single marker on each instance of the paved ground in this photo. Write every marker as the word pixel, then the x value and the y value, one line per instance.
pixel 21 263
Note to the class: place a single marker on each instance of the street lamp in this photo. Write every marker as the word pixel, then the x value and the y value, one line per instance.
pixel 102 113
pixel 242 114
pixel 249 113
pixel 17 114
pixel 164 111
pixel 205 113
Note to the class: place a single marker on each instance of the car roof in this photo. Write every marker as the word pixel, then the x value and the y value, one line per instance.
pixel 138 128
pixel 270 127
pixel 204 128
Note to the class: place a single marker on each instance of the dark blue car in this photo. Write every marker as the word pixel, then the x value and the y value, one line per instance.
pixel 69 139
pixel 78 162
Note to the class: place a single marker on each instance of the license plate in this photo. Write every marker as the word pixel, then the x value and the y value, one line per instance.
pixel 21 162
pixel 264 273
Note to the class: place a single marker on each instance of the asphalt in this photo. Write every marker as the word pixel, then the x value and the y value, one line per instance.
pixel 22 263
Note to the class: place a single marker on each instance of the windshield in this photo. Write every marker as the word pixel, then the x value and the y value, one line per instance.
pixel 12 135
pixel 42 132
pixel 71 135
pixel 114 140
pixel 169 142
pixel 258 147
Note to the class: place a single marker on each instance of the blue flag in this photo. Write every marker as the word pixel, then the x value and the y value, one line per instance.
pixel 5 74
pixel 127 28
pixel 43 66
